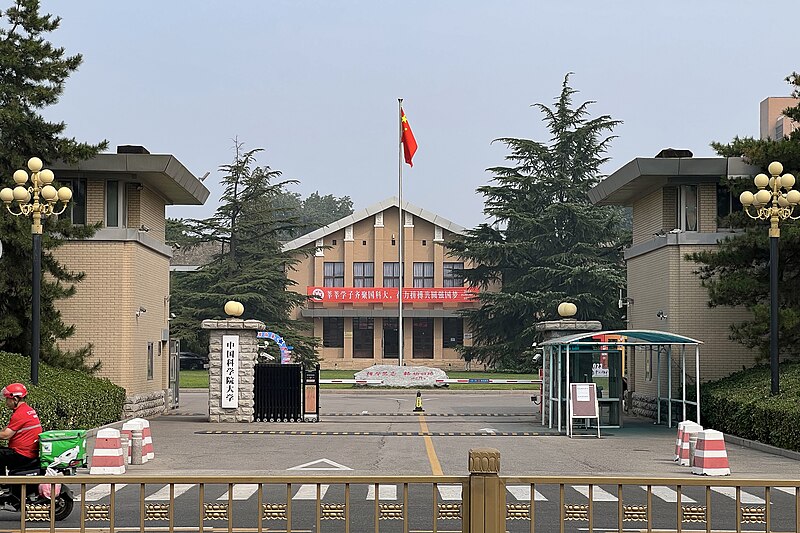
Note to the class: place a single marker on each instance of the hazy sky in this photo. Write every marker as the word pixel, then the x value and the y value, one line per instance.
pixel 316 83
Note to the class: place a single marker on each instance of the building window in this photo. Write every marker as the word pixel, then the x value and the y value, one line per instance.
pixel 363 337
pixel 727 203
pixel 333 332
pixel 452 332
pixel 150 361
pixel 76 208
pixel 453 274
pixel 391 274
pixel 687 208
pixel 116 211
pixel 333 274
pixel 363 274
pixel 423 338
pixel 423 274
pixel 391 338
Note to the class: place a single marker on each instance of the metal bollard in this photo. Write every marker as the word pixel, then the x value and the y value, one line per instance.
pixel 136 446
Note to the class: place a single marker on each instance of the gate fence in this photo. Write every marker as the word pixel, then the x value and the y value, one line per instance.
pixel 482 502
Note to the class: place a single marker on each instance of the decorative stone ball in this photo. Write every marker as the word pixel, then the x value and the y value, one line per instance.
pixel 234 308
pixel 567 309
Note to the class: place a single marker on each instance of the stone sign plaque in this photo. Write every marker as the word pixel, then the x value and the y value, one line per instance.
pixel 402 376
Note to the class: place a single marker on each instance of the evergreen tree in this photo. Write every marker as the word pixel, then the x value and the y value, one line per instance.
pixel 737 272
pixel 252 268
pixel 33 74
pixel 545 243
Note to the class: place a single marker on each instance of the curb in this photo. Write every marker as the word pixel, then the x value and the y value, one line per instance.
pixel 760 446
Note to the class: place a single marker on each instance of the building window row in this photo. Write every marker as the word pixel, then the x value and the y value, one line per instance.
pixel 364 335
pixel 364 274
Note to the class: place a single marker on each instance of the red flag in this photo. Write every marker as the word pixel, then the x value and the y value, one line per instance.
pixel 407 138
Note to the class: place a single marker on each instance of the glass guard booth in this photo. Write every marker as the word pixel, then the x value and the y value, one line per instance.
pixel 600 364
pixel 599 358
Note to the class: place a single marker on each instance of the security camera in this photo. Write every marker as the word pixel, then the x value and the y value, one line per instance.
pixel 537 357
pixel 661 315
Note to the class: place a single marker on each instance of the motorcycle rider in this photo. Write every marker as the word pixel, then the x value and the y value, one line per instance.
pixel 22 432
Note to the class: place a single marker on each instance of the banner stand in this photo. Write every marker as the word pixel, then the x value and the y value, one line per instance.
pixel 583 404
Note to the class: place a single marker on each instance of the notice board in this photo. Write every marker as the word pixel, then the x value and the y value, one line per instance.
pixel 583 403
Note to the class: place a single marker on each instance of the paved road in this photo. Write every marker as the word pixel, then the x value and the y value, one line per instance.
pixel 377 434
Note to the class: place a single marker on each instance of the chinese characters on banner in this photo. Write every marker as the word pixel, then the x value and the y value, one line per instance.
pixel 390 295
pixel 230 371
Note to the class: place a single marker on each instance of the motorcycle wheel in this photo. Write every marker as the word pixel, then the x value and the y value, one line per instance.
pixel 64 506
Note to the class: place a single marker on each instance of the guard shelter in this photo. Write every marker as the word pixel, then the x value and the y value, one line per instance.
pixel 600 357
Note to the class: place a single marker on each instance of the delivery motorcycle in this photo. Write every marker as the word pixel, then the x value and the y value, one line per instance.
pixel 45 483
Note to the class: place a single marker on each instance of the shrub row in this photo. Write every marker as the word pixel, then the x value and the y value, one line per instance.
pixel 64 399
pixel 741 405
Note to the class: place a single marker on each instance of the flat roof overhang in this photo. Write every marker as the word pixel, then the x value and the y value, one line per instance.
pixel 644 175
pixel 160 172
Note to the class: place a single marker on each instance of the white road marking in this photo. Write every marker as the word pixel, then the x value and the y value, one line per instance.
pixel 598 494
pixel 309 492
pixel 385 492
pixel 523 493
pixel 162 494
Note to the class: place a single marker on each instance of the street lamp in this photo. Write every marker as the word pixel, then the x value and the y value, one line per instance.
pixel 28 204
pixel 775 201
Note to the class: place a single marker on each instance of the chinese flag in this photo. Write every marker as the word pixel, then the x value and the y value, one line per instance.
pixel 407 138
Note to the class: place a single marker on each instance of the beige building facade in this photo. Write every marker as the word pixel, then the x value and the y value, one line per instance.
pixel 122 307
pixel 678 206
pixel 773 125
pixel 350 271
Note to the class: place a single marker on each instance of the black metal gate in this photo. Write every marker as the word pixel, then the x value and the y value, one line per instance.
pixel 278 393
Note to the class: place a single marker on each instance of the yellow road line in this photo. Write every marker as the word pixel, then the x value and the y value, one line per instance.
pixel 436 468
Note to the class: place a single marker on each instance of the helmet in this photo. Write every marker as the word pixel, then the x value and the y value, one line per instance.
pixel 15 390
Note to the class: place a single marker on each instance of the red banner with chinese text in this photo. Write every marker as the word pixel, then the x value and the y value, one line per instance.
pixel 349 295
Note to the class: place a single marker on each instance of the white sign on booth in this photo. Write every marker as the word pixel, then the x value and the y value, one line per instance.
pixel 229 377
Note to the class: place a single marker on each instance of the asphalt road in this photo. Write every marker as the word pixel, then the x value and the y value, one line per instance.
pixel 377 434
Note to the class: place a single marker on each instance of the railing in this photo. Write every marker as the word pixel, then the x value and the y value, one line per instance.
pixel 482 502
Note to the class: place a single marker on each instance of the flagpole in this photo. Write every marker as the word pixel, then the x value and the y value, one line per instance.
pixel 400 232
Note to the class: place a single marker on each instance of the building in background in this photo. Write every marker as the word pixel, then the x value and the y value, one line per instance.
pixel 121 307
pixel 350 270
pixel 773 124
pixel 679 205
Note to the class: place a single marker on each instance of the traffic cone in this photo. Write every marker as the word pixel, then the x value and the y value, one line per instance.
pixel 107 456
pixel 689 430
pixel 710 456
pixel 418 407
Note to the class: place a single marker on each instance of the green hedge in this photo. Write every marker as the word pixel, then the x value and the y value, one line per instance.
pixel 741 405
pixel 64 399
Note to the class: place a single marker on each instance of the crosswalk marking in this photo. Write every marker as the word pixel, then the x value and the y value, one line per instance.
pixel 668 495
pixel 241 492
pixel 309 492
pixel 523 493
pixel 730 492
pixel 385 492
pixel 787 490
pixel 98 492
pixel 598 494
pixel 162 494
pixel 450 493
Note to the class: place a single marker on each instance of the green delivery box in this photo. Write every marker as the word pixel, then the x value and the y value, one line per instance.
pixel 66 447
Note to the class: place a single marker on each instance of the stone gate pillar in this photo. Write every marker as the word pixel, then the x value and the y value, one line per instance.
pixel 232 354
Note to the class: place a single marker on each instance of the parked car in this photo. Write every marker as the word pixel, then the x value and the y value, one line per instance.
pixel 192 361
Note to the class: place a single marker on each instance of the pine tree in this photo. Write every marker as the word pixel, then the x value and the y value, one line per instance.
pixel 737 272
pixel 545 243
pixel 33 74
pixel 251 267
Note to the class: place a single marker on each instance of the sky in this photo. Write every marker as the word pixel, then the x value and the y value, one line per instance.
pixel 316 83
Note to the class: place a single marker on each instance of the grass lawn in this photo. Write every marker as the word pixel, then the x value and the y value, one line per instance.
pixel 198 379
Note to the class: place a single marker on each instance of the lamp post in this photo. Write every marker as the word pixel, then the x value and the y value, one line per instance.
pixel 28 204
pixel 774 201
